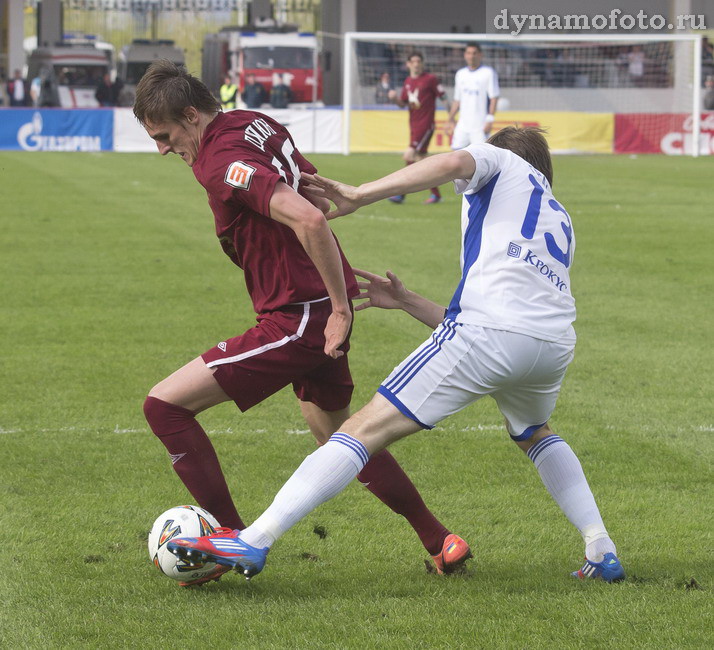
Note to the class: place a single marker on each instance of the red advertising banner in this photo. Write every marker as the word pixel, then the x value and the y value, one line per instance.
pixel 669 133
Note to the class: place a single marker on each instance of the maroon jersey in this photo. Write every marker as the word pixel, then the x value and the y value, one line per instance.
pixel 421 93
pixel 242 156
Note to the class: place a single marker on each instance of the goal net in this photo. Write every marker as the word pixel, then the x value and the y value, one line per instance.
pixel 599 94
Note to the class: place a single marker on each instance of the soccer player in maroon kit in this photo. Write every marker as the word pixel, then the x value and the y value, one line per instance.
pixel 301 286
pixel 419 92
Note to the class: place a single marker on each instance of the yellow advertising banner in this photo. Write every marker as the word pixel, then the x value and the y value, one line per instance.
pixel 568 132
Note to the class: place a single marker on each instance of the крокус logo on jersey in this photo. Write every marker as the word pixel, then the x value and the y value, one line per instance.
pixel 514 250
pixel 544 270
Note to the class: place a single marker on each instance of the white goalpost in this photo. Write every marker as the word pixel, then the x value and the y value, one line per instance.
pixel 647 88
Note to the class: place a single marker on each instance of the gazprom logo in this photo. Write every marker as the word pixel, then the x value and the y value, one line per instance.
pixel 30 138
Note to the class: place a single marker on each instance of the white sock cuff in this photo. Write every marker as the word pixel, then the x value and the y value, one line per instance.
pixel 594 532
pixel 359 453
pixel 265 531
pixel 543 448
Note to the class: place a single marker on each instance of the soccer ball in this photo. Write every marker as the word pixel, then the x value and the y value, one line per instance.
pixel 181 521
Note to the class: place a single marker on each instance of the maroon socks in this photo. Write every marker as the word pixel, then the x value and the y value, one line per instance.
pixel 193 458
pixel 384 478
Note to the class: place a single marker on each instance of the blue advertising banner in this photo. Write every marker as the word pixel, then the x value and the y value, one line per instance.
pixel 27 129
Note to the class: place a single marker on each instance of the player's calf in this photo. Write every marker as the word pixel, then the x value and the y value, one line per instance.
pixel 563 477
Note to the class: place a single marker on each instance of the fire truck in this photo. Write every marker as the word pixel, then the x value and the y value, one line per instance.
pixel 270 54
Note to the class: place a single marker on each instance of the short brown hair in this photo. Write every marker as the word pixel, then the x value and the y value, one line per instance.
pixel 411 55
pixel 529 143
pixel 166 90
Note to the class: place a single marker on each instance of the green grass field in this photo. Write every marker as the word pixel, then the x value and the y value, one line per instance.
pixel 112 278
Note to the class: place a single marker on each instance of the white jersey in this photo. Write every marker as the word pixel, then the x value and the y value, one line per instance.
pixel 517 248
pixel 473 89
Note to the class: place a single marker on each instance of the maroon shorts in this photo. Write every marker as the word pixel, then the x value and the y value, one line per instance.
pixel 420 139
pixel 285 347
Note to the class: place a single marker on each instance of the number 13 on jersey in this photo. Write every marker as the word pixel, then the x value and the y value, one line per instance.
pixel 530 222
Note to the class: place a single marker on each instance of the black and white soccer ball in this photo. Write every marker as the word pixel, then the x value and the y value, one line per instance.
pixel 181 521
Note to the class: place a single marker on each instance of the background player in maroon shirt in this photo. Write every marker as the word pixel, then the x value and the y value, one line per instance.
pixel 298 279
pixel 419 92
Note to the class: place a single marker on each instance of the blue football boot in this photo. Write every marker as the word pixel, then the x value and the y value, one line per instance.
pixel 224 548
pixel 609 570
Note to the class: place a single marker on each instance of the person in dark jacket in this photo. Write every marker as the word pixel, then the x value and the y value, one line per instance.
pixel 106 91
pixel 280 95
pixel 254 94
pixel 17 90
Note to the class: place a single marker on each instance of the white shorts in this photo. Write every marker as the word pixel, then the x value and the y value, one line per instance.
pixel 464 136
pixel 461 363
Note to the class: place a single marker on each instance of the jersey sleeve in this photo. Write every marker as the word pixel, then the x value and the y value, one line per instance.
pixel 493 89
pixel 439 90
pixel 244 175
pixel 240 176
pixel 488 159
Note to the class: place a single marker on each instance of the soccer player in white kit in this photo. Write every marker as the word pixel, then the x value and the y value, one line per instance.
pixel 475 98
pixel 508 333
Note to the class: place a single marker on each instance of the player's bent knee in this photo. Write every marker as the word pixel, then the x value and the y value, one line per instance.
pixel 165 418
pixel 537 436
pixel 155 411
pixel 159 392
pixel 151 408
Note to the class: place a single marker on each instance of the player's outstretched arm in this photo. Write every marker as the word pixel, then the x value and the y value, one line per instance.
pixel 430 172
pixel 390 293
pixel 310 227
pixel 345 197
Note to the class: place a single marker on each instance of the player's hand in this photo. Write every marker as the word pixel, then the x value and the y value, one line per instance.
pixel 450 128
pixel 385 293
pixel 336 331
pixel 488 127
pixel 392 95
pixel 345 197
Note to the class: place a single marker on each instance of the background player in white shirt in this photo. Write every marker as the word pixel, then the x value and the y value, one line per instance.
pixel 475 98
pixel 507 333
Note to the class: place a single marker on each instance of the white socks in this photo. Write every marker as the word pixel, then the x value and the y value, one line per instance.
pixel 562 475
pixel 322 475
pixel 329 469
